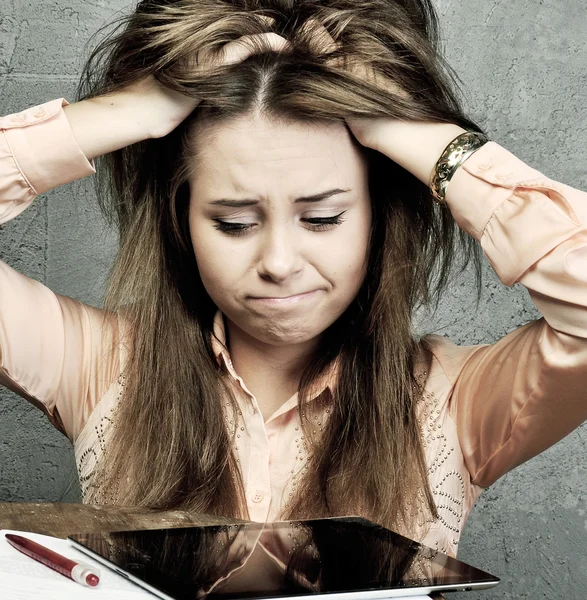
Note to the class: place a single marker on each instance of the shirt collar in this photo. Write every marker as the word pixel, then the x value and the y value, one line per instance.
pixel 219 343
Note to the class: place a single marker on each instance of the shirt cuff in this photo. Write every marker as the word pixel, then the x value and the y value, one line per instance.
pixel 44 147
pixel 515 212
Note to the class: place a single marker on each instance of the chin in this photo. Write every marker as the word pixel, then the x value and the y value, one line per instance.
pixel 284 334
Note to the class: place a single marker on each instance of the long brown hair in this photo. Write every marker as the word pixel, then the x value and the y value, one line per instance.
pixel 170 447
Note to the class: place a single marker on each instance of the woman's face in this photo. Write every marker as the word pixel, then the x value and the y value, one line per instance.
pixel 280 219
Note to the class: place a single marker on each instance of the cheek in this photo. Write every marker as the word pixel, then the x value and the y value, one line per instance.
pixel 348 256
pixel 345 264
pixel 343 261
pixel 217 267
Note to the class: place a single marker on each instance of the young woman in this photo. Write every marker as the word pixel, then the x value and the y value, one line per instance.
pixel 291 180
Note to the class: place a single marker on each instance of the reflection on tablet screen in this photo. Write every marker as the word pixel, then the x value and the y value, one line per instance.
pixel 290 558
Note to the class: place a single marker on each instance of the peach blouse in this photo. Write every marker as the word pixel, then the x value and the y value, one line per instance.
pixel 483 409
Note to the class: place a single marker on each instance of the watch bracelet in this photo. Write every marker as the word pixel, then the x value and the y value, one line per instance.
pixel 453 156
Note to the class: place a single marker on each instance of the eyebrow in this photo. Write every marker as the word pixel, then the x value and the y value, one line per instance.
pixel 232 203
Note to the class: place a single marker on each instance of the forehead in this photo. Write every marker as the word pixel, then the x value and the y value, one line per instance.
pixel 254 153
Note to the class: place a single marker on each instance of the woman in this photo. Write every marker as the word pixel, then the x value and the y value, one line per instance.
pixel 283 210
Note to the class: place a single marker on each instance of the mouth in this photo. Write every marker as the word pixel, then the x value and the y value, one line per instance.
pixel 284 300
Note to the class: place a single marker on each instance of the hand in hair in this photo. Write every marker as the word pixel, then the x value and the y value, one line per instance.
pixel 366 130
pixel 147 108
pixel 240 49
pixel 178 106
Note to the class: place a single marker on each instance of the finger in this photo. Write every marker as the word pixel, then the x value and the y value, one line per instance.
pixel 269 21
pixel 247 45
pixel 320 40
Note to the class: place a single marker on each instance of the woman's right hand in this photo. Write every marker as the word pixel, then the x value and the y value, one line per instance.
pixel 147 109
pixel 169 108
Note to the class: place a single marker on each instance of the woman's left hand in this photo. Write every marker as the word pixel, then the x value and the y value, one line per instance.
pixel 367 130
pixel 416 146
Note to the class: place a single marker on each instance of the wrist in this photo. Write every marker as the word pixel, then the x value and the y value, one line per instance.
pixel 139 107
pixel 416 146
pixel 159 109
pixel 106 123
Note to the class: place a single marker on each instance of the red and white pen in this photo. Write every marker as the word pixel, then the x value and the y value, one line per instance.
pixel 80 572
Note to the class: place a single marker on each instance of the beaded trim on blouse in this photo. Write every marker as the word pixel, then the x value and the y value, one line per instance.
pixel 450 505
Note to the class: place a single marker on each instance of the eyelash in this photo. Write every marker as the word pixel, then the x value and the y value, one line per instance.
pixel 317 223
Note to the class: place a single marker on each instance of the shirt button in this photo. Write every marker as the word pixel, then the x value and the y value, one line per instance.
pixel 40 112
pixel 257 496
pixel 18 118
pixel 484 166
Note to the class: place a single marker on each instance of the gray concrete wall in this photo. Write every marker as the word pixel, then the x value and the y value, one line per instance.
pixel 523 65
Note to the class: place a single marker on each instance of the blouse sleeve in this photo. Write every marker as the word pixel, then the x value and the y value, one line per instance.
pixel 513 399
pixel 51 347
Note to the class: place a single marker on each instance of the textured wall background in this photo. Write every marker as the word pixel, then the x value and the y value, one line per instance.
pixel 522 64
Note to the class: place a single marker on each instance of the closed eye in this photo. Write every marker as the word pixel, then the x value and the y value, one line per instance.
pixel 314 223
pixel 231 228
pixel 319 223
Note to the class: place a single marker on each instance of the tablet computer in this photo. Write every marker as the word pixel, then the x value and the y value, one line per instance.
pixel 335 558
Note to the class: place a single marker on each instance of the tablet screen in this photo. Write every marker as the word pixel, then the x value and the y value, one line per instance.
pixel 277 560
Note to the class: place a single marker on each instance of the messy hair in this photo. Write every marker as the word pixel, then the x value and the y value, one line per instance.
pixel 170 446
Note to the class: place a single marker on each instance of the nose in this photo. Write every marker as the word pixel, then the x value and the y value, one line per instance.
pixel 279 255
